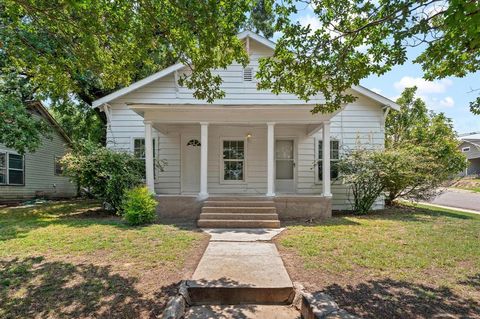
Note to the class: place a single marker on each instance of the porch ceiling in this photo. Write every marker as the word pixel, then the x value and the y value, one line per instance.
pixel 219 114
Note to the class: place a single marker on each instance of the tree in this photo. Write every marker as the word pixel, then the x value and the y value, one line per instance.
pixel 79 121
pixel 426 147
pixel 85 50
pixel 357 39
pixel 262 18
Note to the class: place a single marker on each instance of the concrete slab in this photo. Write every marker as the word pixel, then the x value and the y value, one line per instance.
pixel 242 311
pixel 243 234
pixel 242 264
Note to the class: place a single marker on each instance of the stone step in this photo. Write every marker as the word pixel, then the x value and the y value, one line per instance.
pixel 243 203
pixel 237 216
pixel 240 210
pixel 215 293
pixel 242 311
pixel 229 223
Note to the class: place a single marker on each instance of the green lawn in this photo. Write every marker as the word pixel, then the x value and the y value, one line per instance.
pixel 428 253
pixel 70 259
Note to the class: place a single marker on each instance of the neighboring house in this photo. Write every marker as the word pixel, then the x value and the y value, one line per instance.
pixel 36 174
pixel 250 143
pixel 470 146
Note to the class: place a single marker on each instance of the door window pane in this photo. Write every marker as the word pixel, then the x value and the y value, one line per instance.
pixel 284 169
pixel 284 149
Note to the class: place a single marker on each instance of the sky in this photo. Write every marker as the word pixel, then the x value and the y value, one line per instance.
pixel 450 95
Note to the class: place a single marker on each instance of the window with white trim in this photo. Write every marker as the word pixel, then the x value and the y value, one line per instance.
pixel 12 169
pixel 3 168
pixel 466 149
pixel 233 160
pixel 139 150
pixel 334 158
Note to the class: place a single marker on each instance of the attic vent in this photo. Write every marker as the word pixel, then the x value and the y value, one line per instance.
pixel 248 74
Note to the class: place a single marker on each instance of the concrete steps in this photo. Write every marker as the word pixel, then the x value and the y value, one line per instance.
pixel 237 212
pixel 236 223
pixel 242 311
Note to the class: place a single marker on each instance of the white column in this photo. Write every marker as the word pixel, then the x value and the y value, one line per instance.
pixel 149 177
pixel 326 159
pixel 203 159
pixel 270 159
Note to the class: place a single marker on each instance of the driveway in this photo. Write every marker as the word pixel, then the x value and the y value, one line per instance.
pixel 457 198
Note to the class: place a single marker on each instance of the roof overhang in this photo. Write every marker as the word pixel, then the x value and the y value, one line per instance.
pixel 243 35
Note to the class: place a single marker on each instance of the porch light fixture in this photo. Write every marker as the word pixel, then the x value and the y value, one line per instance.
pixel 248 136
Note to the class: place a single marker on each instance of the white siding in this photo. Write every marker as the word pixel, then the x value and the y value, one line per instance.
pixel 360 122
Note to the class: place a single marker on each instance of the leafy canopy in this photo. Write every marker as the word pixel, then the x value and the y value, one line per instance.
pixel 358 38
pixel 426 147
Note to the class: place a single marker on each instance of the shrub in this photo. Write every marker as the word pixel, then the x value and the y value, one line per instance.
pixel 138 206
pixel 363 170
pixel 104 172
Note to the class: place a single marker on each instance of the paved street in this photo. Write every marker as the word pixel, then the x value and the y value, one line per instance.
pixel 458 199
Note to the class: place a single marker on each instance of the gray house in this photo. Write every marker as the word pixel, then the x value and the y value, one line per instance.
pixel 470 146
pixel 36 174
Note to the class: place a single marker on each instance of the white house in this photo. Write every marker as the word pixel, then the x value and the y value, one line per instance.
pixel 250 145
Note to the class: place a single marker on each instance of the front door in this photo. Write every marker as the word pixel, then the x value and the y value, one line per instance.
pixel 284 166
pixel 191 165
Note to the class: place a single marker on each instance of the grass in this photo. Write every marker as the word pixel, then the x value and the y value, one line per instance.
pixel 468 183
pixel 419 248
pixel 48 247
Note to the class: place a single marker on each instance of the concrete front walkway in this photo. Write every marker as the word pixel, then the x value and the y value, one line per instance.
pixel 241 267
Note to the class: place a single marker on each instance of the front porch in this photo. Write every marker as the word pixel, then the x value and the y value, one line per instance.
pixel 267 153
pixel 288 207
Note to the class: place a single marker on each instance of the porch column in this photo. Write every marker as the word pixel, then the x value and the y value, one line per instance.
pixel 326 159
pixel 149 177
pixel 203 159
pixel 270 159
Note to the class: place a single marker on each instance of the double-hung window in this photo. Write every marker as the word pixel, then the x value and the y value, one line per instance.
pixel 233 160
pixel 12 169
pixel 139 150
pixel 334 158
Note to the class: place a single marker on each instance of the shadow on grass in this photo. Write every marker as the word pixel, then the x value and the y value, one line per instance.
pixel 400 299
pixel 33 287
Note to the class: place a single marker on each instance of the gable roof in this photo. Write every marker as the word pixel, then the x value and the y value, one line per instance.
pixel 243 35
pixel 38 106
pixel 470 136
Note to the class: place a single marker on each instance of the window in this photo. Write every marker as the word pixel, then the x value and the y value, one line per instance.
pixel 334 157
pixel 466 149
pixel 58 168
pixel 12 169
pixel 233 160
pixel 15 169
pixel 248 74
pixel 139 150
pixel 194 142
pixel 3 168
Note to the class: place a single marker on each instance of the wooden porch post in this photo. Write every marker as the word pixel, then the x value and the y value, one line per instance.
pixel 203 159
pixel 326 182
pixel 270 159
pixel 149 176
